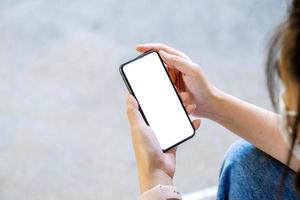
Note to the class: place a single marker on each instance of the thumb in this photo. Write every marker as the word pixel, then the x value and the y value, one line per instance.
pixel 134 116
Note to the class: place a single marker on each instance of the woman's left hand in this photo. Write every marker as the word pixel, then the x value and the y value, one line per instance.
pixel 153 165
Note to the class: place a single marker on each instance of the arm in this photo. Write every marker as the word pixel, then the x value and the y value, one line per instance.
pixel 256 125
pixel 153 165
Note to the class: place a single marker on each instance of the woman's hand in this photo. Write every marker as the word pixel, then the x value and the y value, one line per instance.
pixel 190 82
pixel 154 166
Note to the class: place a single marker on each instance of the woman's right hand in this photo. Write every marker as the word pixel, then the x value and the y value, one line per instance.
pixel 195 90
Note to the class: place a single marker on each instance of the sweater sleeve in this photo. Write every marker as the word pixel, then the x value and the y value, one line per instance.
pixel 161 192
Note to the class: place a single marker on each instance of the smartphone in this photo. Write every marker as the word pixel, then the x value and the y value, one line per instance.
pixel 147 79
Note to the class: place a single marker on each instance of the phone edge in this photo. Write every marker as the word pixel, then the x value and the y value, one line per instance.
pixel 140 109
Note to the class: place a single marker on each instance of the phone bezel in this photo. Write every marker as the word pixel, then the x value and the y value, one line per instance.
pixel 140 109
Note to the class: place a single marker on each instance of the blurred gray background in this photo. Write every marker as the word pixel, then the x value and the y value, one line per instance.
pixel 63 128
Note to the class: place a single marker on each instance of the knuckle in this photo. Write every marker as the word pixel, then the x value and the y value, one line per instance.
pixel 186 56
pixel 177 58
pixel 129 110
pixel 136 127
pixel 195 65
pixel 161 45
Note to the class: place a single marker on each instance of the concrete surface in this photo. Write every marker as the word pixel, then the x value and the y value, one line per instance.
pixel 63 129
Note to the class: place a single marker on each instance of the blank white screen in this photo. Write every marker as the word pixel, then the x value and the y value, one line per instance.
pixel 158 100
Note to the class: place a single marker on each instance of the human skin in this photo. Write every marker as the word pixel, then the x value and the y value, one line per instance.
pixel 203 100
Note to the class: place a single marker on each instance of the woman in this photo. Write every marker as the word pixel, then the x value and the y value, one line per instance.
pixel 252 169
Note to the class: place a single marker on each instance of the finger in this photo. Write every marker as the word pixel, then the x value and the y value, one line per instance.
pixel 181 64
pixel 184 97
pixel 172 74
pixel 134 116
pixel 190 109
pixel 179 85
pixel 176 78
pixel 172 151
pixel 196 123
pixel 157 46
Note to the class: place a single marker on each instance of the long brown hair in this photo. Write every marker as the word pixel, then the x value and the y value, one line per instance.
pixel 285 43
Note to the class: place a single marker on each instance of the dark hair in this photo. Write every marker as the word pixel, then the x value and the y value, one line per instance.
pixel 285 44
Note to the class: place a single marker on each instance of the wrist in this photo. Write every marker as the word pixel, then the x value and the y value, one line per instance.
pixel 150 180
pixel 213 103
